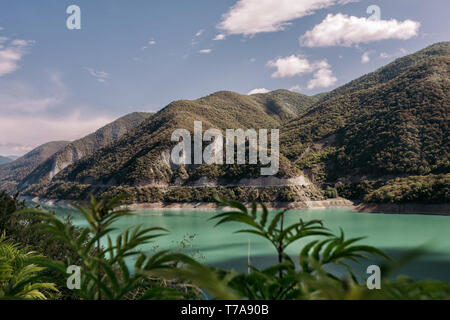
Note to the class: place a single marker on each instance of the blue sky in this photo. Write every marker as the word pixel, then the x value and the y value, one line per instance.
pixel 139 55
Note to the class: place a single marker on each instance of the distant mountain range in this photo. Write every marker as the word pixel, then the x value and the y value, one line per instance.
pixel 45 161
pixel 4 160
pixel 354 141
pixel 18 169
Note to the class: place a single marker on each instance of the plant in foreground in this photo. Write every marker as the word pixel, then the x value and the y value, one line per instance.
pixel 167 275
pixel 310 278
pixel 104 270
pixel 19 273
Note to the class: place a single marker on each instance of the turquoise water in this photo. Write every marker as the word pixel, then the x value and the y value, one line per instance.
pixel 396 234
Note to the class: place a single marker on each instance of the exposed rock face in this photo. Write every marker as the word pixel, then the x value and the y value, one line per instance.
pixel 18 169
pixel 272 181
pixel 78 149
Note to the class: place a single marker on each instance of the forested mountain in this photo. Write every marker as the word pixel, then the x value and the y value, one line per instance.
pixel 285 104
pixel 392 121
pixel 142 156
pixel 83 147
pixel 352 141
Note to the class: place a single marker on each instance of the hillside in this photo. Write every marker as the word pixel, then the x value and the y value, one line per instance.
pixel 18 169
pixel 355 141
pixel 4 160
pixel 394 121
pixel 285 104
pixel 141 158
pixel 83 147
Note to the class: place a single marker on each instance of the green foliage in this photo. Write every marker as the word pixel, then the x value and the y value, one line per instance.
pixel 21 229
pixel 284 280
pixel 105 274
pixel 391 121
pixel 330 192
pixel 357 190
pixel 152 194
pixel 310 159
pixel 19 273
pixel 413 189
pixel 419 189
pixel 169 275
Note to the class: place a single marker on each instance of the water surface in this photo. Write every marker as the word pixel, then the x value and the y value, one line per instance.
pixel 394 233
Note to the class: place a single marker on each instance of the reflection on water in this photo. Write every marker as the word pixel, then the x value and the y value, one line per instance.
pixel 396 234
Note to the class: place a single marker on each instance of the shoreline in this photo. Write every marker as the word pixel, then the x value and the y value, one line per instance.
pixel 338 203
pixel 318 204
pixel 441 209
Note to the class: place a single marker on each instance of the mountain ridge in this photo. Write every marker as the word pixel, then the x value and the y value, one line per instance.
pixel 85 146
pixel 390 123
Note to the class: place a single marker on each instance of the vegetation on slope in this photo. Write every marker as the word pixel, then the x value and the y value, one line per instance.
pixel 285 104
pixel 84 147
pixel 21 167
pixel 142 156
pixel 392 121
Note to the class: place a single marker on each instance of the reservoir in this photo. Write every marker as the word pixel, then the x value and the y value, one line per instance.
pixel 193 233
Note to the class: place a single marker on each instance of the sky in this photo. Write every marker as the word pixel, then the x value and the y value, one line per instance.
pixel 60 83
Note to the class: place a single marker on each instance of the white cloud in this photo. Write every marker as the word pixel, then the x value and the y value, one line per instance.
pixel 344 30
pixel 365 58
pixel 220 36
pixel 258 90
pixel 22 43
pixel 100 76
pixel 194 42
pixel 290 66
pixel 399 53
pixel 249 17
pixel 150 43
pixel 39 130
pixel 297 88
pixel 20 98
pixel 252 60
pixel 323 78
pixel 32 116
pixel 12 53
pixel 14 148
pixel 296 65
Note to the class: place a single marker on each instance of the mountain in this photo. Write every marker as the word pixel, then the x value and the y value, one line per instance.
pixel 141 158
pixel 356 141
pixel 18 169
pixel 285 104
pixel 83 147
pixel 394 121
pixel 4 160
